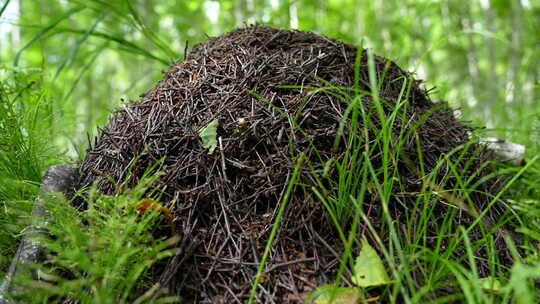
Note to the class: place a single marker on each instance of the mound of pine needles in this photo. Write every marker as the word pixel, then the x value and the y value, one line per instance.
pixel 284 99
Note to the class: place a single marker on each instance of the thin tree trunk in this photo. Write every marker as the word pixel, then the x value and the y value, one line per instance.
pixel 493 83
pixel 472 62
pixel 239 12
pixel 516 53
pixel 293 14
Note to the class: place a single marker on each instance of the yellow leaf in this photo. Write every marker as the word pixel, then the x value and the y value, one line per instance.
pixel 369 269
pixel 330 294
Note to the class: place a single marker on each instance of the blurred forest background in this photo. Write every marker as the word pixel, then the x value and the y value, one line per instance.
pixel 480 55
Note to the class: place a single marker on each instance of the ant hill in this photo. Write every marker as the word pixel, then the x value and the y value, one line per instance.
pixel 252 111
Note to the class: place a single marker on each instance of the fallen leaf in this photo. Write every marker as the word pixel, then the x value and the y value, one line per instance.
pixel 369 269
pixel 330 294
pixel 149 204
pixel 208 135
pixel 491 284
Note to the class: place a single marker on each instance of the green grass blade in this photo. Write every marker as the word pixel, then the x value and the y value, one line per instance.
pixel 3 9
pixel 275 228
pixel 45 30
pixel 73 54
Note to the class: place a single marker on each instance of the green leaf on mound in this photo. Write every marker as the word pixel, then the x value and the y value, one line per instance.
pixel 208 135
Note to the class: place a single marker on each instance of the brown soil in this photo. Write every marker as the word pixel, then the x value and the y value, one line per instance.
pixel 224 204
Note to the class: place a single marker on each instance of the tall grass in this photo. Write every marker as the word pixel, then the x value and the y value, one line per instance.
pixel 420 269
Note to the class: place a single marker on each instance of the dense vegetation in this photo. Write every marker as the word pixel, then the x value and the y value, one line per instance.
pixel 65 65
